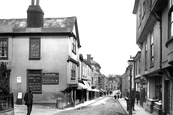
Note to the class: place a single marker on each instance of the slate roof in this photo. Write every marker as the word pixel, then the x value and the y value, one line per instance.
pixel 66 22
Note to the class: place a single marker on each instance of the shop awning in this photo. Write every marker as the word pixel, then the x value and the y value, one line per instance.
pixel 96 90
pixel 82 86
pixel 88 86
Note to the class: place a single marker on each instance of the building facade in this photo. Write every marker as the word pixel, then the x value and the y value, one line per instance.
pixel 43 54
pixel 154 37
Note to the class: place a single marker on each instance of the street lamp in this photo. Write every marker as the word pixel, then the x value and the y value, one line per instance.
pixel 130 100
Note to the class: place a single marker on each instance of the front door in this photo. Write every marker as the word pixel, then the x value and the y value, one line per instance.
pixel 167 96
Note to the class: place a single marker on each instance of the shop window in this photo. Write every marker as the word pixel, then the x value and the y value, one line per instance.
pixel 34 49
pixel 158 86
pixel 3 48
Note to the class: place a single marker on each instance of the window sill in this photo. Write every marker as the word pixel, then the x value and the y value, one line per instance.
pixel 4 58
pixel 34 58
pixel 151 66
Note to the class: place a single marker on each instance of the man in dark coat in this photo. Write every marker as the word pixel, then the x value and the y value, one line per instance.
pixel 28 98
pixel 133 95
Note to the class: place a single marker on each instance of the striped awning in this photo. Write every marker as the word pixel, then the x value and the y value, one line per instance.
pixel 82 86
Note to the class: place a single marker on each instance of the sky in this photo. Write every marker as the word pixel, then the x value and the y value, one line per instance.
pixel 107 28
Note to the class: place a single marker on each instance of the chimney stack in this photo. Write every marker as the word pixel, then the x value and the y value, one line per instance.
pixel 89 58
pixel 35 15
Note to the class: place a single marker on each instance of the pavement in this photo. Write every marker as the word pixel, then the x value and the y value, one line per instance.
pixel 48 110
pixel 138 109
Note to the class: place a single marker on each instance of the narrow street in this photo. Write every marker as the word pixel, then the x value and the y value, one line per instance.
pixel 107 106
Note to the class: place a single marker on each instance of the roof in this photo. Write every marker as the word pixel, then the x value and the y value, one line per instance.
pixel 57 25
pixel 66 22
pixel 86 62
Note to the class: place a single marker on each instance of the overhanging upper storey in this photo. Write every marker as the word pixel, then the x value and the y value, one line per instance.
pixel 147 13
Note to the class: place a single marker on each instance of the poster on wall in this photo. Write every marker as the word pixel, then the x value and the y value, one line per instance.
pixel 50 78
pixel 34 81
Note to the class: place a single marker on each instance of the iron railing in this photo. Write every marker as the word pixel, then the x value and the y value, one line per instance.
pixel 6 102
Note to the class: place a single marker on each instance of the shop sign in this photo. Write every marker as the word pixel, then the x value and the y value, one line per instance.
pixel 50 78
pixel 34 81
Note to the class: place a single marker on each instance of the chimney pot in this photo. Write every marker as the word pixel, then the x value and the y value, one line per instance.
pixel 32 2
pixel 38 1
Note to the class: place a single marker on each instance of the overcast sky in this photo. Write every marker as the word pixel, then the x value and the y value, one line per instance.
pixel 107 28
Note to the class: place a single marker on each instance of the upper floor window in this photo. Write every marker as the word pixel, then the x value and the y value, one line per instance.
pixel 146 49
pixel 170 26
pixel 34 49
pixel 139 18
pixel 152 50
pixel 74 45
pixel 73 71
pixel 143 9
pixel 4 48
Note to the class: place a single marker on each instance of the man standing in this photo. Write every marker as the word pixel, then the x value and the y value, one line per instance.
pixel 28 98
pixel 133 95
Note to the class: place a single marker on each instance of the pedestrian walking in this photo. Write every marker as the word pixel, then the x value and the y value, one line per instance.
pixel 115 96
pixel 137 97
pixel 28 98
pixel 133 95
pixel 127 98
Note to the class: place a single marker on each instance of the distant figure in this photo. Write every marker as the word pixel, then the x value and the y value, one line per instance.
pixel 28 98
pixel 115 96
pixel 137 97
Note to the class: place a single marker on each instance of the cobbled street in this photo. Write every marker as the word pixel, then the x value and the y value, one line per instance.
pixel 107 106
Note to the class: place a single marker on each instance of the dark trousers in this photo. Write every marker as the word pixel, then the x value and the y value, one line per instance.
pixel 133 104
pixel 29 109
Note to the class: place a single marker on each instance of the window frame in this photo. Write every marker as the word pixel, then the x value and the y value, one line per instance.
pixel 143 9
pixel 74 45
pixel 73 71
pixel 139 17
pixel 5 58
pixel 151 50
pixel 146 50
pixel 30 43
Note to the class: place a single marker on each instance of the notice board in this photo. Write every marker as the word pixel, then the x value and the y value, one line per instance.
pixel 34 81
pixel 50 78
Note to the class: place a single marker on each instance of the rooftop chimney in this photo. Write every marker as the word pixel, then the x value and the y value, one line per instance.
pixel 35 15
pixel 89 58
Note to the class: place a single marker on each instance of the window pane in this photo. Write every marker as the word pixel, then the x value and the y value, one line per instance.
pixel 3 48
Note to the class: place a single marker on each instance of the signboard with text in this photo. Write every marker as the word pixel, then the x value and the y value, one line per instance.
pixel 50 78
pixel 34 81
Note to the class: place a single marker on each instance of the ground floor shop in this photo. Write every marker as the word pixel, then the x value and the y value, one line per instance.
pixel 159 92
